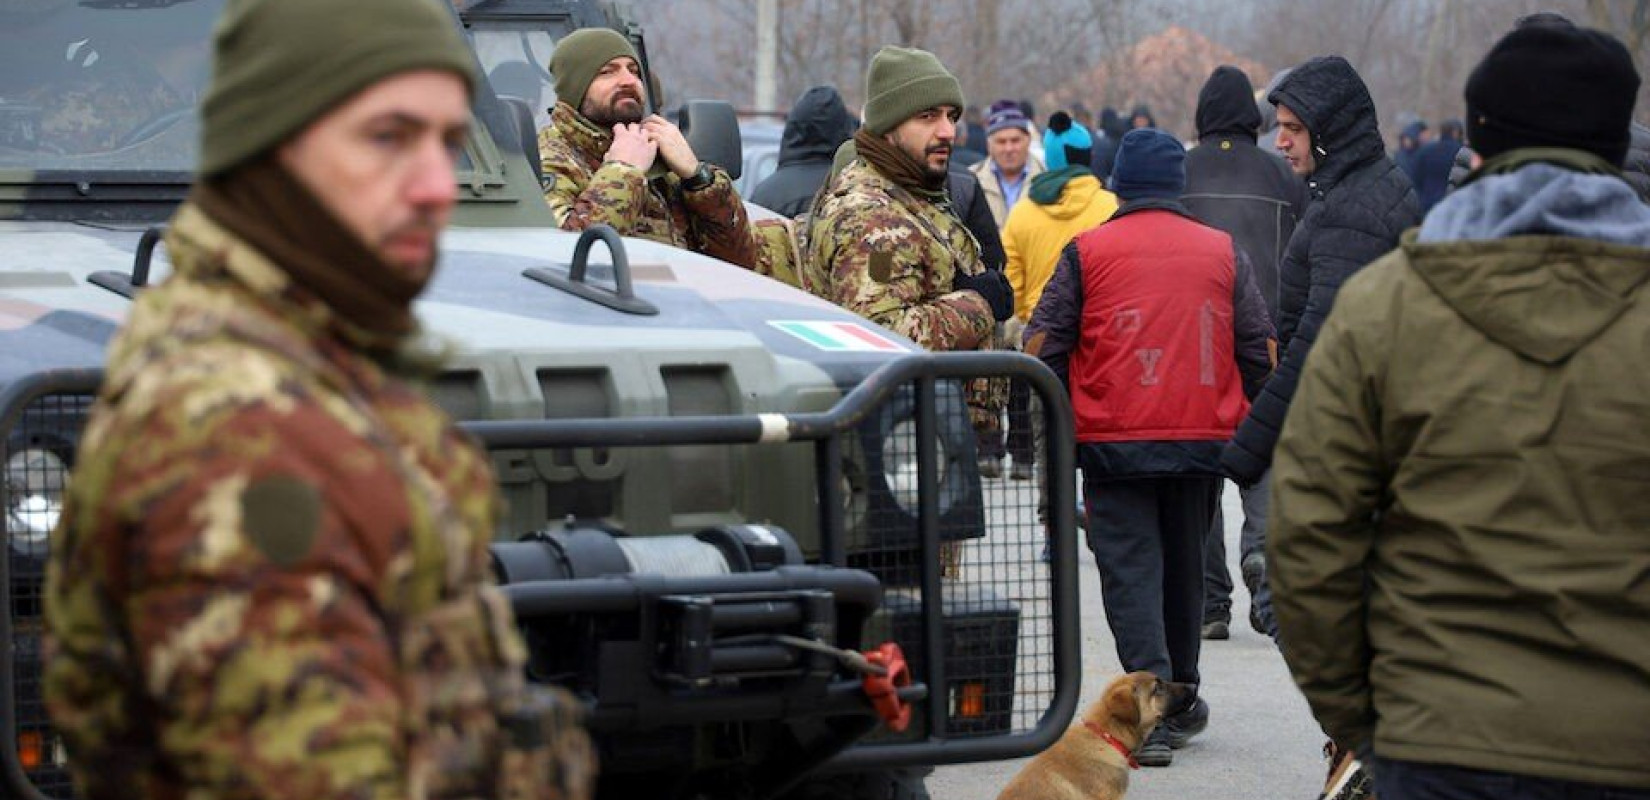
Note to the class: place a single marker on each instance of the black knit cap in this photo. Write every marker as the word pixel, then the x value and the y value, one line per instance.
pixel 1150 164
pixel 1553 84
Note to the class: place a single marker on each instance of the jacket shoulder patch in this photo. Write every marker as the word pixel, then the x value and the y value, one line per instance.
pixel 282 516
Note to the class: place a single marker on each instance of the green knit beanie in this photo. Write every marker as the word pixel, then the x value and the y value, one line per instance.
pixel 580 55
pixel 903 81
pixel 280 64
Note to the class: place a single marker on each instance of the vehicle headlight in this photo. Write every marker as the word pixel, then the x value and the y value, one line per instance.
pixel 35 479
pixel 899 463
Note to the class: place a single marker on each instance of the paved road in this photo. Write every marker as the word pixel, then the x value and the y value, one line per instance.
pixel 1261 743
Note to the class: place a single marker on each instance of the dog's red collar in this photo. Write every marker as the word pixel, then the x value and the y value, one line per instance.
pixel 1105 736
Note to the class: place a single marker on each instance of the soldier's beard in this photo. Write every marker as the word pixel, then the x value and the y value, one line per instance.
pixel 936 173
pixel 622 108
pixel 921 155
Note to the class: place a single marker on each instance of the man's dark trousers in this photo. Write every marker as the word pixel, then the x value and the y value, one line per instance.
pixel 1147 535
pixel 1217 579
pixel 1410 780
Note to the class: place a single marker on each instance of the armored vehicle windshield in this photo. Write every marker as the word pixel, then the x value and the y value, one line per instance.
pixel 103 85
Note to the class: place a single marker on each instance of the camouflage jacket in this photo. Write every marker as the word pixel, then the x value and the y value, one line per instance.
pixel 583 190
pixel 271 575
pixel 889 256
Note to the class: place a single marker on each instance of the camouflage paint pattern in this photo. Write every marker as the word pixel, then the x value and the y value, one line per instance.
pixel 584 190
pixel 890 256
pixel 271 575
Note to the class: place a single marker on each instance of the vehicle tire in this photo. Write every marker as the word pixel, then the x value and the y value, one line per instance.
pixel 904 783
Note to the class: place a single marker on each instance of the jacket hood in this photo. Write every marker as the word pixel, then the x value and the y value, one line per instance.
pixel 1332 101
pixel 1065 193
pixel 1226 104
pixel 818 124
pixel 1540 260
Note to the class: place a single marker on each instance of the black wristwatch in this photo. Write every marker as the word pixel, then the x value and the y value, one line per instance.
pixel 700 178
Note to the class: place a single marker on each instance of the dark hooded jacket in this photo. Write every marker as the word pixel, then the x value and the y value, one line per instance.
pixel 1233 185
pixel 1433 163
pixel 1358 204
pixel 1409 149
pixel 969 204
pixel 816 126
pixel 1112 128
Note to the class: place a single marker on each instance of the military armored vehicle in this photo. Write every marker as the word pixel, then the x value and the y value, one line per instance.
pixel 722 491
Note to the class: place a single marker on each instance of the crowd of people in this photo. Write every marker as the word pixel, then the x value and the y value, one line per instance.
pixel 1422 385
pixel 1421 434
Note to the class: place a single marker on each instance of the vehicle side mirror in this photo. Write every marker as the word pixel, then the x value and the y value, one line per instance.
pixel 712 130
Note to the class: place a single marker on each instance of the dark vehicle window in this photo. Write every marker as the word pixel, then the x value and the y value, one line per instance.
pixel 103 84
pixel 516 59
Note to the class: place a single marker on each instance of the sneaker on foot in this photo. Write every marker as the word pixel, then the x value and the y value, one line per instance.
pixel 1155 751
pixel 1021 471
pixel 1347 780
pixel 991 467
pixel 1217 629
pixel 1183 726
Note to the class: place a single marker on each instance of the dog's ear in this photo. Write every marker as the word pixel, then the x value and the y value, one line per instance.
pixel 1122 705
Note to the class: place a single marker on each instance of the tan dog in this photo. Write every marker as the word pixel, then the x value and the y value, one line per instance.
pixel 1092 760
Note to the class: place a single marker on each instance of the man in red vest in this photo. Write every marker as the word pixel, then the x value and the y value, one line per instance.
pixel 1155 323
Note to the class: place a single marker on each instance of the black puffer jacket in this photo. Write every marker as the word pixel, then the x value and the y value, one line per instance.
pixel 1233 185
pixel 1358 204
pixel 816 126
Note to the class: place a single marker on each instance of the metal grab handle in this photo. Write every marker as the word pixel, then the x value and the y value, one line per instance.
pixel 127 285
pixel 145 252
pixel 615 250
pixel 622 297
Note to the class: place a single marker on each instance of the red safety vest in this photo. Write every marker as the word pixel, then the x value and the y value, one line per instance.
pixel 1155 358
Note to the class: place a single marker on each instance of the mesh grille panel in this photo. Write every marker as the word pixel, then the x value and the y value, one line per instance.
pixel 999 625
pixel 38 453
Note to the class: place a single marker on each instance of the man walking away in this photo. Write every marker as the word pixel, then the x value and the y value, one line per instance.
pixel 1233 185
pixel 1155 325
pixel 1459 545
pixel 818 124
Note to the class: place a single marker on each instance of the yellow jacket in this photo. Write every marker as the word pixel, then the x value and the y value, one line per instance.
pixel 1035 233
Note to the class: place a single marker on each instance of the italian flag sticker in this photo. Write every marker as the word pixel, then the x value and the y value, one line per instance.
pixel 840 336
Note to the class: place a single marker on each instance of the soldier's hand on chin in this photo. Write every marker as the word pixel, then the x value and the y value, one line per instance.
pixel 673 147
pixel 632 145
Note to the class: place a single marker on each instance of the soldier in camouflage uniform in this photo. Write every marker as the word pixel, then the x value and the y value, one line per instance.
pixel 271 575
pixel 883 240
pixel 606 161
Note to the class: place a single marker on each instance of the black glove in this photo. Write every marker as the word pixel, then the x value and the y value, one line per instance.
pixel 993 286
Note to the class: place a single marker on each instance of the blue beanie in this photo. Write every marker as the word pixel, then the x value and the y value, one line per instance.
pixel 1066 142
pixel 1150 164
